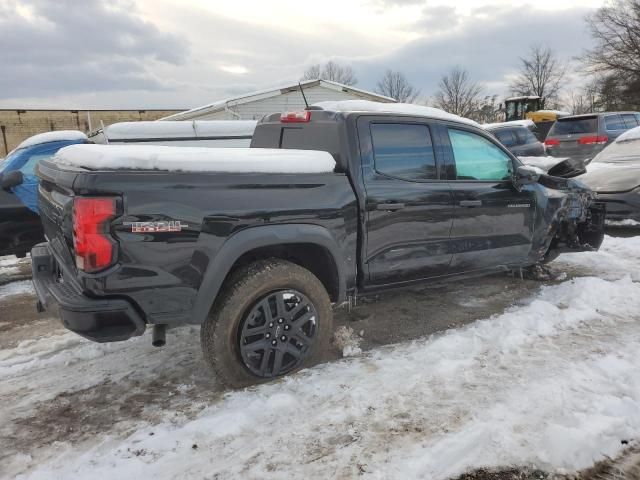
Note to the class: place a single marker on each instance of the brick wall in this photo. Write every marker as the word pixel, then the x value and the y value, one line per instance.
pixel 17 125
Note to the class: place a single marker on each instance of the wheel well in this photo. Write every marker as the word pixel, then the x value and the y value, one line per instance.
pixel 315 258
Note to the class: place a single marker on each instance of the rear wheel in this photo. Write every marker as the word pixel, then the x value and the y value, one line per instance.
pixel 273 318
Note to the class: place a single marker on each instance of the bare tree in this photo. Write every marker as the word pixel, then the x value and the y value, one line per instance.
pixel 578 103
pixel 541 74
pixel 488 111
pixel 312 73
pixel 331 71
pixel 395 85
pixel 585 99
pixel 616 31
pixel 457 93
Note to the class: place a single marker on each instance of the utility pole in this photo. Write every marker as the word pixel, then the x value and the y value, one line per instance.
pixel 4 139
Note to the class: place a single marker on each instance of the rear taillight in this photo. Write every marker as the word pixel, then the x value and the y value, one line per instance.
pixel 296 117
pixel 551 142
pixel 94 247
pixel 594 140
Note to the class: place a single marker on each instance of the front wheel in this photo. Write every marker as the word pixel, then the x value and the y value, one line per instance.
pixel 273 317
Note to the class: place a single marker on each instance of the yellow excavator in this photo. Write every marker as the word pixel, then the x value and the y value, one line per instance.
pixel 528 108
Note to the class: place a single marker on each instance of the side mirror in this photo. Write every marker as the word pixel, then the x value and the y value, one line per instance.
pixel 11 179
pixel 527 174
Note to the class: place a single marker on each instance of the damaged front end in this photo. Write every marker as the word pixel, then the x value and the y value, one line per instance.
pixel 573 219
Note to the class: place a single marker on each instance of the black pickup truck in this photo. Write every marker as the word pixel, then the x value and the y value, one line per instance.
pixel 257 259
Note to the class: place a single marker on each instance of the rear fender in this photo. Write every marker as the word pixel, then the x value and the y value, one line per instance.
pixel 257 237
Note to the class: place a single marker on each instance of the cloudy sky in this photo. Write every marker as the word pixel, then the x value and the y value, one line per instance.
pixel 185 53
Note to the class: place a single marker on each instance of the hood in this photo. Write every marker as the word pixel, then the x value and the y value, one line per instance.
pixel 604 178
pixel 558 167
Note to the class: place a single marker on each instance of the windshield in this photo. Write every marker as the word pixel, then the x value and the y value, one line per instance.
pixel 570 126
pixel 625 151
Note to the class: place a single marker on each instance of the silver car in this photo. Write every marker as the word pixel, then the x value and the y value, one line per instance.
pixel 584 136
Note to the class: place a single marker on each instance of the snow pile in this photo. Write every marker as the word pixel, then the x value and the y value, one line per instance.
pixel 627 222
pixel 9 261
pixel 552 382
pixel 16 288
pixel 617 257
pixel 195 159
pixel 347 341
pixel 56 136
pixel 398 108
pixel 633 134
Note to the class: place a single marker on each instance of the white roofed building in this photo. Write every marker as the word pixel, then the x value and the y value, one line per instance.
pixel 253 106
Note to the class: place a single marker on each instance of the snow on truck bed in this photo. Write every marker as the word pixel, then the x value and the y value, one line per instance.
pixel 195 159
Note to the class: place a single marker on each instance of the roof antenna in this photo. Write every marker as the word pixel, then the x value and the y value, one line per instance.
pixel 303 96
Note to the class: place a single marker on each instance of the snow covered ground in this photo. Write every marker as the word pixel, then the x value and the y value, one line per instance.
pixel 551 381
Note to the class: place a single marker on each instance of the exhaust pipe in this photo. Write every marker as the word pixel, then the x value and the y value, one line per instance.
pixel 159 338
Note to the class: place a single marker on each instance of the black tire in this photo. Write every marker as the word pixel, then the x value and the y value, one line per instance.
pixel 224 330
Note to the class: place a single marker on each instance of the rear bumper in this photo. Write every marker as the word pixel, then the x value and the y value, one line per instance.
pixel 98 319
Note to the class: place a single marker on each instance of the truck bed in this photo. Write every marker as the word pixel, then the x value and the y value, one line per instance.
pixel 162 272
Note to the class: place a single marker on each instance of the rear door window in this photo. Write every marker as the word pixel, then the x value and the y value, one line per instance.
pixel 506 137
pixel 572 126
pixel 614 122
pixel 477 158
pixel 525 136
pixel 404 150
pixel 630 120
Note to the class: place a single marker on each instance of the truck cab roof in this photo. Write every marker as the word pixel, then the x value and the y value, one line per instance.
pixel 321 127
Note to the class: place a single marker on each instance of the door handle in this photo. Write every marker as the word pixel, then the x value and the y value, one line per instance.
pixel 389 207
pixel 471 203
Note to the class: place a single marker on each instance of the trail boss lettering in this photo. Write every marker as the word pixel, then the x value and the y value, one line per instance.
pixel 156 227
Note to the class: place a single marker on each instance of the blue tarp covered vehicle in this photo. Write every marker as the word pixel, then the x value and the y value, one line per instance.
pixel 26 156
pixel 20 226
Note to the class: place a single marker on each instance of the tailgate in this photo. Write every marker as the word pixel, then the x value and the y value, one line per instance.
pixel 574 137
pixel 55 202
pixel 571 147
